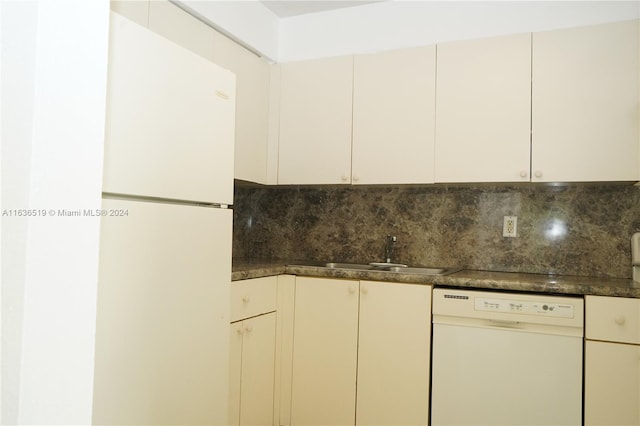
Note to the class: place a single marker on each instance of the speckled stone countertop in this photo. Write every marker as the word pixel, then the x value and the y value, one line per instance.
pixel 247 269
pixel 538 283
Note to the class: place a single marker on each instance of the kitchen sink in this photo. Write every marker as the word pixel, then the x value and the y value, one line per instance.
pixel 391 267
pixel 424 271
pixel 358 266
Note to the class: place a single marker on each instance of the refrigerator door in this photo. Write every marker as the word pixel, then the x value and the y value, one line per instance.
pixel 170 119
pixel 162 336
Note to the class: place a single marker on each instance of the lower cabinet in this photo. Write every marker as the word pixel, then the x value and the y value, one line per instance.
pixel 612 361
pixel 612 384
pixel 325 349
pixel 252 363
pixel 394 343
pixel 252 370
pixel 361 353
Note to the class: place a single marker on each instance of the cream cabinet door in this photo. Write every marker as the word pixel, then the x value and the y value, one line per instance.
pixel 394 116
pixel 324 352
pixel 483 110
pixel 252 402
pixel 235 372
pixel 612 319
pixel 394 354
pixel 315 121
pixel 585 104
pixel 252 107
pixel 612 384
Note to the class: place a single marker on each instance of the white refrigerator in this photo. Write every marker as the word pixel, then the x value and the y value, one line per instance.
pixel 162 342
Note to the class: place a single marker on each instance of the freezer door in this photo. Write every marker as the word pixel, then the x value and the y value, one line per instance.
pixel 162 337
pixel 170 119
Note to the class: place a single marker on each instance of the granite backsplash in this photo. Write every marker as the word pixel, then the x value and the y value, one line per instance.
pixel 570 230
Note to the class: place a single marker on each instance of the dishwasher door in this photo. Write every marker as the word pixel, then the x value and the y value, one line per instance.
pixel 504 359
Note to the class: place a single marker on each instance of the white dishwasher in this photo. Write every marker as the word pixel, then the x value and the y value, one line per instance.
pixel 506 359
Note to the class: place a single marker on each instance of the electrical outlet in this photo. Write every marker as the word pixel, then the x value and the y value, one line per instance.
pixel 510 226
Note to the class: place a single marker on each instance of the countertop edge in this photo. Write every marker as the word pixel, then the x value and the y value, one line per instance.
pixel 486 280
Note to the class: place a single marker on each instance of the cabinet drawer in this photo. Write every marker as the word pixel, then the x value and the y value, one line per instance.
pixel 253 297
pixel 613 319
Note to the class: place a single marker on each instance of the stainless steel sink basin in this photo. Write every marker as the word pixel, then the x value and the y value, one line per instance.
pixel 391 268
pixel 425 271
pixel 336 265
pixel 387 265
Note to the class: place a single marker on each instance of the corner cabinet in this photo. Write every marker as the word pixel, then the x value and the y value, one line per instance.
pixel 612 361
pixel 252 108
pixel 316 121
pixel 253 352
pixel 361 353
pixel 585 104
pixel 483 110
pixel 394 116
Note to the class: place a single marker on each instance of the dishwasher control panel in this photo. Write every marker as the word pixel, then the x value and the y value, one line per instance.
pixel 521 310
pixel 558 310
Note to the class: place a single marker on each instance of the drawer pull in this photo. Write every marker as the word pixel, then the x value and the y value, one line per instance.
pixel 248 329
pixel 245 299
pixel 620 319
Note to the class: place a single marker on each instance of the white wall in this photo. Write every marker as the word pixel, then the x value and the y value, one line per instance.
pixel 54 65
pixel 396 24
pixel 18 78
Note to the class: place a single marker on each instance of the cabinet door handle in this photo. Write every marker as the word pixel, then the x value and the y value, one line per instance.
pixel 344 178
pixel 248 329
pixel 523 174
pixel 364 290
pixel 356 178
pixel 352 290
pixel 620 319
pixel 538 174
pixel 245 299
pixel 240 331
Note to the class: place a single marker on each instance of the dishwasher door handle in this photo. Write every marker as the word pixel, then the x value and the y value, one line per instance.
pixel 503 323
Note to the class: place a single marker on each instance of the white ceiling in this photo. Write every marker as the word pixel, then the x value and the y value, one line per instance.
pixel 288 8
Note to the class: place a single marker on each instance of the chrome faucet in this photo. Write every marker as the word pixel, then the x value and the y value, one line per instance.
pixel 389 246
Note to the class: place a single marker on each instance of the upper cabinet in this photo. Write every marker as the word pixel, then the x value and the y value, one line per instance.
pixel 483 110
pixel 315 121
pixel 252 107
pixel 586 103
pixel 553 106
pixel 394 116
pixel 170 119
pixel 363 120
